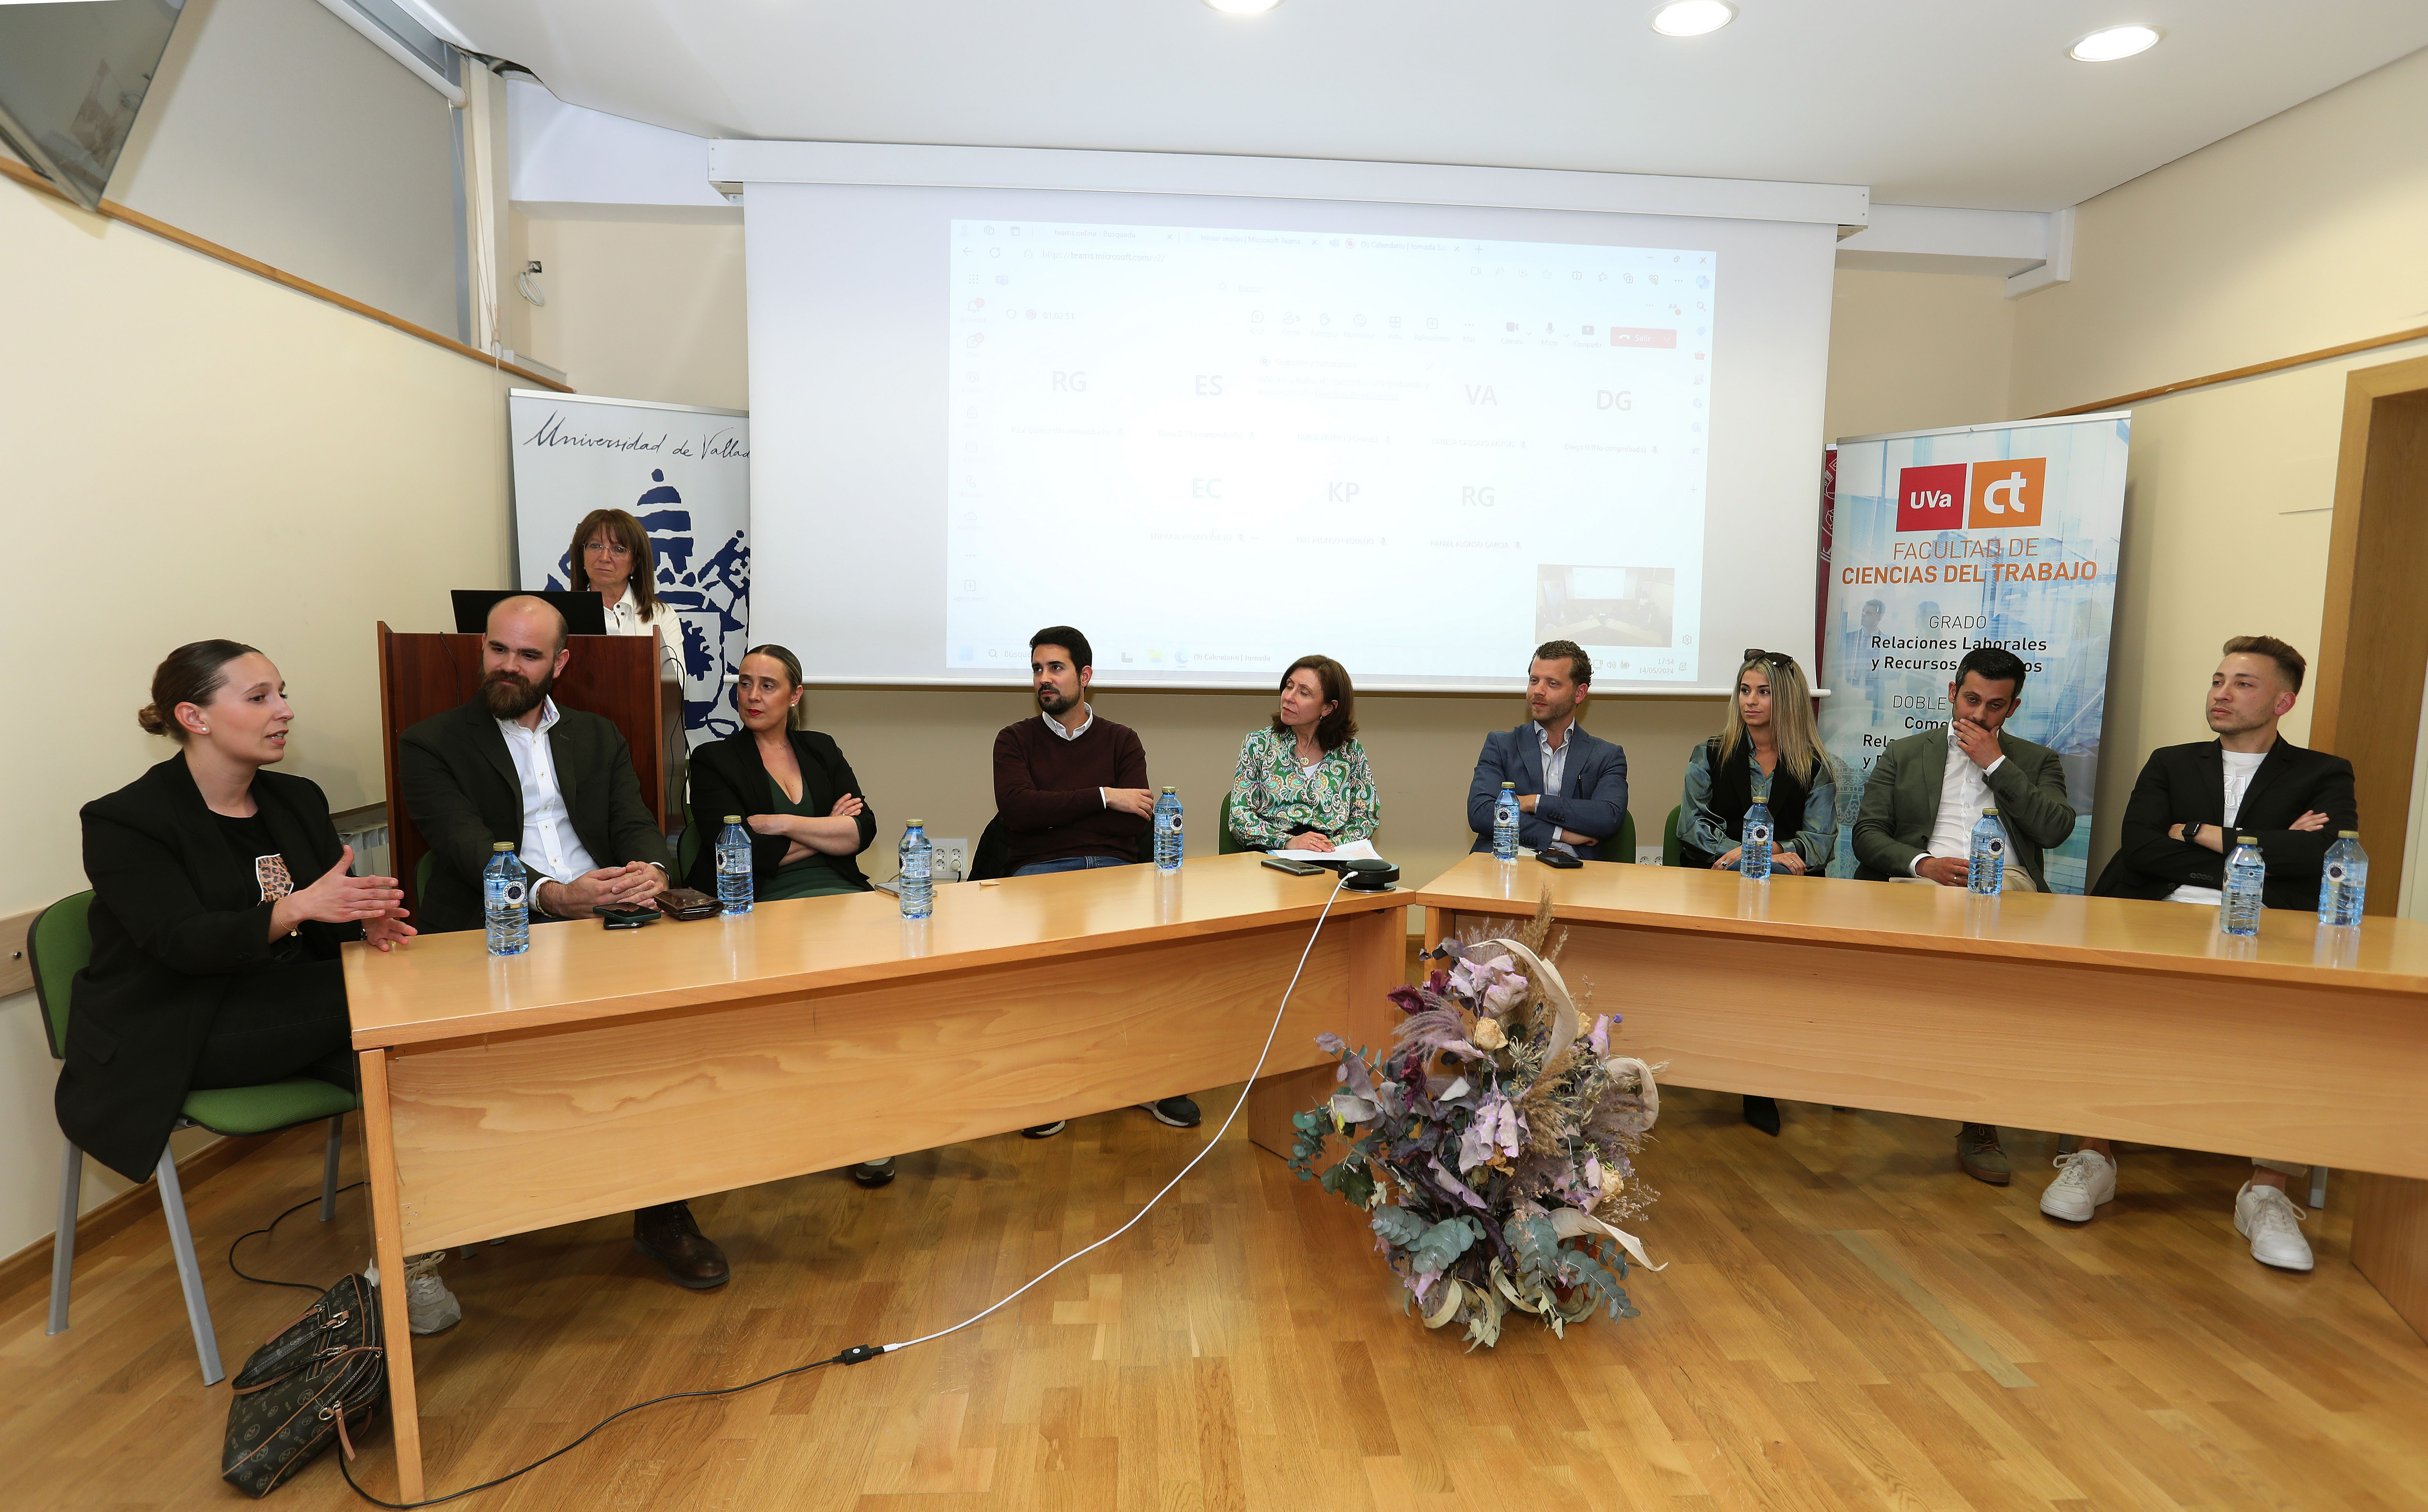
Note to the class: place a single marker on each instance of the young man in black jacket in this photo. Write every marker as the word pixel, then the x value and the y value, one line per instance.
pixel 558 783
pixel 2188 805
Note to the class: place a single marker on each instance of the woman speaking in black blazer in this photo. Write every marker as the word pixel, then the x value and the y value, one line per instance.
pixel 220 897
pixel 792 786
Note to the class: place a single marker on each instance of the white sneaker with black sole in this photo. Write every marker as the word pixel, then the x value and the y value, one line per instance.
pixel 2267 1217
pixel 2085 1179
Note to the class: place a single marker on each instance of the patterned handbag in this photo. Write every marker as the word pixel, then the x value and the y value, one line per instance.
pixel 298 1390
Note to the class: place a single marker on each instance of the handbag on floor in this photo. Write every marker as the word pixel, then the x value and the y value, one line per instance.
pixel 298 1391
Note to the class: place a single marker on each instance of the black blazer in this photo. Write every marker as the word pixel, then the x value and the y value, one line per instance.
pixel 728 777
pixel 2182 783
pixel 459 785
pixel 175 918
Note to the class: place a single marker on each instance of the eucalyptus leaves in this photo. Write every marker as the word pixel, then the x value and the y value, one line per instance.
pixel 1494 1142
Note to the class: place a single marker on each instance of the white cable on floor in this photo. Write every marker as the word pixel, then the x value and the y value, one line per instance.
pixel 1184 1170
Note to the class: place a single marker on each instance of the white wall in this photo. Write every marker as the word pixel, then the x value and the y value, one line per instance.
pixel 274 129
pixel 197 452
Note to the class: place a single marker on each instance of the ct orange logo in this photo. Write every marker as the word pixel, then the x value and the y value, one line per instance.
pixel 2005 493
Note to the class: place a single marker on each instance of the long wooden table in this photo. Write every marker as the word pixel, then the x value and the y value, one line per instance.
pixel 603 1071
pixel 2088 1016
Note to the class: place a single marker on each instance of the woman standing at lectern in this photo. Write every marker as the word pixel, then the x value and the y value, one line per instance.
pixel 611 557
pixel 1770 738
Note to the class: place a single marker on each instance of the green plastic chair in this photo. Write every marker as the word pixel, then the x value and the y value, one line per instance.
pixel 1226 843
pixel 1670 854
pixel 57 947
pixel 1625 845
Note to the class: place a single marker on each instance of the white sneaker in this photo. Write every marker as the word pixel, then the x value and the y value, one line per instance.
pixel 2269 1219
pixel 2085 1179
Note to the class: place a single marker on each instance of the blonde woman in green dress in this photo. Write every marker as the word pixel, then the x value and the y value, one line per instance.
pixel 1302 782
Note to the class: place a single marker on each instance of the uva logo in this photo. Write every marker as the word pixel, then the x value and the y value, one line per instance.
pixel 513 893
pixel 2334 872
pixel 1998 847
pixel 1975 496
pixel 1759 833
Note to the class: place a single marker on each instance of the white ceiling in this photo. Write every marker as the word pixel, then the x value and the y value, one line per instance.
pixel 1970 103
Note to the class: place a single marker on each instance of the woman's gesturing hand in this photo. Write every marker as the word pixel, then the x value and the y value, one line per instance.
pixel 338 898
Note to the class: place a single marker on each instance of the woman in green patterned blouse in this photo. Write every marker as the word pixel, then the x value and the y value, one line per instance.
pixel 1302 782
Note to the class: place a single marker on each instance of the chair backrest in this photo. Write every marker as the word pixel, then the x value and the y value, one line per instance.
pixel 1670 854
pixel 687 849
pixel 993 857
pixel 57 947
pixel 422 870
pixel 1625 845
pixel 1226 843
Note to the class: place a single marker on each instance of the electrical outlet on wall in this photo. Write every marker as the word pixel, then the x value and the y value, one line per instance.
pixel 952 860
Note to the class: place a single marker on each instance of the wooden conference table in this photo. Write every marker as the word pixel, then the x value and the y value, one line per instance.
pixel 605 1071
pixel 2085 1016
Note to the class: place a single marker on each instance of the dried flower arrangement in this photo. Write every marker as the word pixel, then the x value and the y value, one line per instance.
pixel 1494 1142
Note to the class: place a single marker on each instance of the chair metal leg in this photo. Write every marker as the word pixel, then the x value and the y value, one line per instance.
pixel 63 1238
pixel 190 1271
pixel 329 1169
pixel 2318 1186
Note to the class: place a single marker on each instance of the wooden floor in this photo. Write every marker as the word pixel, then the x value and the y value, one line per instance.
pixel 1847 1320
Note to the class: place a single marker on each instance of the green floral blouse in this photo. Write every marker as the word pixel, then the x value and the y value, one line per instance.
pixel 1272 797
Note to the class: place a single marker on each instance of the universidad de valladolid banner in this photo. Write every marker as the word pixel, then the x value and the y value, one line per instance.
pixel 1941 540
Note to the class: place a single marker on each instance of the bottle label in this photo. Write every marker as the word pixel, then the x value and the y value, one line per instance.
pixel 2334 872
pixel 1757 835
pixel 1995 846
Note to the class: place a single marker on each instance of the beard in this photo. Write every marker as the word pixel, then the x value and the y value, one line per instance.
pixel 1050 701
pixel 507 696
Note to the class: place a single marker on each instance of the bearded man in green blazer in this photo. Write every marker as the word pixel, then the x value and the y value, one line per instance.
pixel 1925 793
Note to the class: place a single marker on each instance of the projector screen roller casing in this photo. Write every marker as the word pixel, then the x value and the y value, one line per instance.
pixel 1417 438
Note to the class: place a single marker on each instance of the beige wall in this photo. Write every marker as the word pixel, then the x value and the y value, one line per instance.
pixel 1916 351
pixel 637 309
pixel 2302 232
pixel 196 452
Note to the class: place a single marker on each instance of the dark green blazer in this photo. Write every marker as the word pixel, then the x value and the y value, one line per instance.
pixel 1901 804
pixel 459 785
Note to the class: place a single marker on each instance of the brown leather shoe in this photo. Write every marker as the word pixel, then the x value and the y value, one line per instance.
pixel 667 1234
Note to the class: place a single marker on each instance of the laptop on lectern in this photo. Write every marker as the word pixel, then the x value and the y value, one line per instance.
pixel 585 613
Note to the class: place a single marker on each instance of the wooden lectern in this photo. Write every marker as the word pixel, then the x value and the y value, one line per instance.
pixel 613 676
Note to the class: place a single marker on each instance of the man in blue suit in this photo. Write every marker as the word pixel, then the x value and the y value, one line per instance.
pixel 1571 788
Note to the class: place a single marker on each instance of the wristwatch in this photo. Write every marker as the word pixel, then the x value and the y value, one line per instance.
pixel 2192 832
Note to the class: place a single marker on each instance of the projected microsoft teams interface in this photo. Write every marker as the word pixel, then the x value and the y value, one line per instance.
pixel 1236 447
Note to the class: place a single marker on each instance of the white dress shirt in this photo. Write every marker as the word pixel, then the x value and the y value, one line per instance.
pixel 1087 711
pixel 1964 793
pixel 550 847
pixel 2239 765
pixel 624 617
pixel 1556 772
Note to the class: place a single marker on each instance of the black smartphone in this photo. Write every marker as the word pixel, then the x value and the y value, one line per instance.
pixel 1560 860
pixel 1296 868
pixel 629 915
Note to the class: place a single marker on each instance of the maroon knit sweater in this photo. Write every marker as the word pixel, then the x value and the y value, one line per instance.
pixel 1045 791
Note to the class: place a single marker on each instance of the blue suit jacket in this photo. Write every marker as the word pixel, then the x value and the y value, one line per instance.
pixel 1593 800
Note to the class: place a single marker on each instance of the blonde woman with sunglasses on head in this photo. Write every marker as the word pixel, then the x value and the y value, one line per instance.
pixel 1771 744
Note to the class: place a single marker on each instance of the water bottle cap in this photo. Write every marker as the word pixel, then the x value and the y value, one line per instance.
pixel 2347 835
pixel 1991 812
pixel 1168 791
pixel 1509 787
pixel 501 846
pixel 733 819
pixel 915 824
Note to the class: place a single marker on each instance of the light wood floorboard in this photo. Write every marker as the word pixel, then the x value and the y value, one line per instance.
pixel 1846 1322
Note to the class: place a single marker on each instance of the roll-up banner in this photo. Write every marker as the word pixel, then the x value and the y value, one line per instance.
pixel 1941 540
pixel 684 473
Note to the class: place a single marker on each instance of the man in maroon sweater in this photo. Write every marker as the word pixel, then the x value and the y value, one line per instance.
pixel 1071 789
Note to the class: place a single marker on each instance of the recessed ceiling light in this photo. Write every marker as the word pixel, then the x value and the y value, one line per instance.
pixel 1693 18
pixel 2112 42
pixel 1243 8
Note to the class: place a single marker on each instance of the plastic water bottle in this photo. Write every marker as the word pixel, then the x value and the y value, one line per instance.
pixel 1985 871
pixel 502 895
pixel 2246 879
pixel 733 880
pixel 1754 855
pixel 1167 831
pixel 2343 886
pixel 1504 823
pixel 918 872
